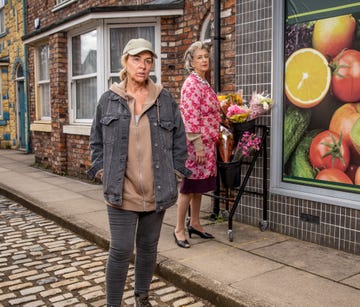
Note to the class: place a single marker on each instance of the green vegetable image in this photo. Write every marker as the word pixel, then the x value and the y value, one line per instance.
pixel 299 163
pixel 295 124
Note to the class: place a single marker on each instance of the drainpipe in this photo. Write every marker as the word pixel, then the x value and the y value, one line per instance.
pixel 217 39
pixel 27 115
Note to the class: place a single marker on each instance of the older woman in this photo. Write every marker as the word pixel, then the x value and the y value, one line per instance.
pixel 138 147
pixel 200 110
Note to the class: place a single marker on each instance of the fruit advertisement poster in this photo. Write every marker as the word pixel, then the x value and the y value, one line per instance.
pixel 321 120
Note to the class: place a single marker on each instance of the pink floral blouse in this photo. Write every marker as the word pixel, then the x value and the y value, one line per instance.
pixel 200 111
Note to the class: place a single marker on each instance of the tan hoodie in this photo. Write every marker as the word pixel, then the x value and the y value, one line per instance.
pixel 138 190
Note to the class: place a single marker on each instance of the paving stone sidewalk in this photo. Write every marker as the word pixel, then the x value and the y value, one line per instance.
pixel 43 264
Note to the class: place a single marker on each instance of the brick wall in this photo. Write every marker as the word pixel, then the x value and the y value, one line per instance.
pixel 59 101
pixel 179 33
pixel 69 154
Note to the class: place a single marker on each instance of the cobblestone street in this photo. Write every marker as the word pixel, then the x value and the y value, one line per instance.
pixel 43 264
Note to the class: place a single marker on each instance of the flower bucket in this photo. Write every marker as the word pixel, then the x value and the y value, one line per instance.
pixel 238 129
pixel 230 173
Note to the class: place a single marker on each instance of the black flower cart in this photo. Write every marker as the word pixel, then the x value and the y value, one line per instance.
pixel 229 177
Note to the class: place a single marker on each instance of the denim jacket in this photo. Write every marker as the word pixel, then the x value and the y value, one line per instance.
pixel 109 146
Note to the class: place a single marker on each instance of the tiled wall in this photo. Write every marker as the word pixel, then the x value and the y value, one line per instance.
pixel 338 227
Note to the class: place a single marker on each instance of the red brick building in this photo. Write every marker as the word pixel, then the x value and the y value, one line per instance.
pixel 73 55
pixel 74 50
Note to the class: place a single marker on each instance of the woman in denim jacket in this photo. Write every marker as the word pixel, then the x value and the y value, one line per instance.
pixel 138 148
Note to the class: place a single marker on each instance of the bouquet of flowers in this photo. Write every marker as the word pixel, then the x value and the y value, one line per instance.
pixel 259 105
pixel 238 139
pixel 235 110
pixel 232 108
pixel 238 114
pixel 248 144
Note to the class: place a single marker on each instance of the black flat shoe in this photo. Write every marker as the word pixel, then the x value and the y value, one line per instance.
pixel 204 235
pixel 180 243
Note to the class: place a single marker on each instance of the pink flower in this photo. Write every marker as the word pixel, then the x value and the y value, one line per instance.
pixel 249 143
pixel 236 113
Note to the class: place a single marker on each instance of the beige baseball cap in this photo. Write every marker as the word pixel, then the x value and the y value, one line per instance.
pixel 138 45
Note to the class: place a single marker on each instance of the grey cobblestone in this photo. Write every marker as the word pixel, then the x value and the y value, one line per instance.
pixel 43 264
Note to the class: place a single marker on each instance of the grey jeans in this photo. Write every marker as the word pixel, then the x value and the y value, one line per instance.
pixel 124 227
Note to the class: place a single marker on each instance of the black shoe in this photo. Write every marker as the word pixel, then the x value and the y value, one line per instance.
pixel 142 300
pixel 203 235
pixel 180 243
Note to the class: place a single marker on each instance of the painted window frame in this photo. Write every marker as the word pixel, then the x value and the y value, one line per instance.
pixel 205 28
pixel 104 73
pixel 155 72
pixel 277 186
pixel 41 83
pixel 82 77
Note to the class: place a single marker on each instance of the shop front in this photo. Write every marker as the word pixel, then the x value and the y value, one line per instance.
pixel 306 53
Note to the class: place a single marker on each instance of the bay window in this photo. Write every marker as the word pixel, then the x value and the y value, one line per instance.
pixel 119 36
pixel 95 62
pixel 84 75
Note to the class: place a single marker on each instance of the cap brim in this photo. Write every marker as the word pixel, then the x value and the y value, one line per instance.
pixel 142 49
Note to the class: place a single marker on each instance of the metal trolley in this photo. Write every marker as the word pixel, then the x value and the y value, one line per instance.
pixel 263 224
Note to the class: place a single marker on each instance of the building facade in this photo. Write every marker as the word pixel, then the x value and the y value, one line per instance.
pixel 13 105
pixel 73 55
pixel 74 50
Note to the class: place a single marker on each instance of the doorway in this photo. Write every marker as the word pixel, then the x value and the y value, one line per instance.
pixel 21 108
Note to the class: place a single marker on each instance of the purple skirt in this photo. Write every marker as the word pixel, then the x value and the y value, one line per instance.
pixel 197 185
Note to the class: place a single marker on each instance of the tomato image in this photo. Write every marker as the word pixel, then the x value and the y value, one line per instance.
pixel 343 121
pixel 328 150
pixel 345 81
pixel 351 171
pixel 333 174
pixel 331 35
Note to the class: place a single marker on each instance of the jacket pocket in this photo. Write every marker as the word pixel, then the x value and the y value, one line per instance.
pixel 110 127
pixel 166 133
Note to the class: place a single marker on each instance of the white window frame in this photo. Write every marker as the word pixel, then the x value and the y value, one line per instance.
pixel 277 186
pixel 103 62
pixel 97 74
pixel 39 82
pixel 2 17
pixel 133 24
pixel 206 24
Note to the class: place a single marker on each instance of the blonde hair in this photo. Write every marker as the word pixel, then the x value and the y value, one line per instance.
pixel 189 53
pixel 123 72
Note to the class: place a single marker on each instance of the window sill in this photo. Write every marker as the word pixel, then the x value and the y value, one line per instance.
pixel 41 127
pixel 77 129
